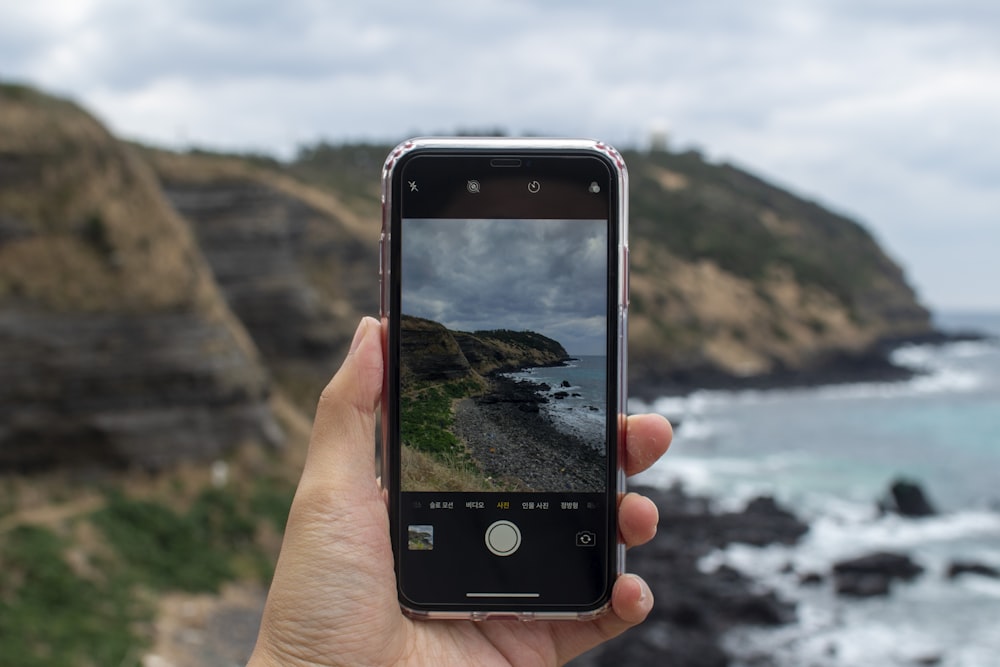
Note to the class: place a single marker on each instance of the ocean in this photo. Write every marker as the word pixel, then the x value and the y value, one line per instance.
pixel 579 408
pixel 829 454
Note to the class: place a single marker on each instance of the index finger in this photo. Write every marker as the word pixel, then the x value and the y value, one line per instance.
pixel 648 438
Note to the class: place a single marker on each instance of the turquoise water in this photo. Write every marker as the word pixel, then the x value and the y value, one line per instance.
pixel 850 441
pixel 831 453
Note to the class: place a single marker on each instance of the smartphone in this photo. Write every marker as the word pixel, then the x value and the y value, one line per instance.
pixel 504 295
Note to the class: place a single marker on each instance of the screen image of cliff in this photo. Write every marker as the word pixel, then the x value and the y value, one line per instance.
pixel 503 343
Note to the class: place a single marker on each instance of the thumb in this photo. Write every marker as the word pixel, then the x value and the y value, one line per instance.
pixel 342 446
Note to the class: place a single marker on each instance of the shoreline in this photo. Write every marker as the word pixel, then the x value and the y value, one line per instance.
pixel 511 440
pixel 694 608
pixel 702 605
pixel 871 365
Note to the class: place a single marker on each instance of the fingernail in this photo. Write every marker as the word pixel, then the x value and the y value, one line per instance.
pixel 645 594
pixel 359 335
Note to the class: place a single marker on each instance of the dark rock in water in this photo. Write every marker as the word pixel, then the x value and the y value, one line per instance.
pixel 668 645
pixel 873 574
pixel 907 498
pixel 862 585
pixel 958 568
pixel 763 522
pixel 560 395
pixel 810 579
pixel 565 384
pixel 744 606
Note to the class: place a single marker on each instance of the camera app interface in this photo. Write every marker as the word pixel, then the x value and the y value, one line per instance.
pixel 504 408
pixel 503 355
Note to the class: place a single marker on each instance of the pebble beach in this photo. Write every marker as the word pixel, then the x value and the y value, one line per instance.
pixel 511 440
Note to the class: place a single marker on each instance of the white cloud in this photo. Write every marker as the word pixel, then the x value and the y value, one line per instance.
pixel 887 110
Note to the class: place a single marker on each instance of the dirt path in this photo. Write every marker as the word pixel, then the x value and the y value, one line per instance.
pixel 202 630
pixel 50 515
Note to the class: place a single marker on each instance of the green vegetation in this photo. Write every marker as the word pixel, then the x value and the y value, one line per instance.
pixel 351 170
pixel 427 418
pixel 193 551
pixel 94 608
pixel 51 617
pixel 271 500
pixel 719 214
pixel 95 233
pixel 433 458
pixel 524 340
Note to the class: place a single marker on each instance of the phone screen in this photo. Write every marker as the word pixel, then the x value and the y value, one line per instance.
pixel 503 355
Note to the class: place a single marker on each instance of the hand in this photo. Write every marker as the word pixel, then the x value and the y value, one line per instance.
pixel 333 598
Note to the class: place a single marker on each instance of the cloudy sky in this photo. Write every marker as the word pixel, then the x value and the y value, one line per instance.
pixel 461 274
pixel 887 110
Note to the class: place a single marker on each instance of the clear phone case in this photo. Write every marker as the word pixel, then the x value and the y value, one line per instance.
pixel 501 146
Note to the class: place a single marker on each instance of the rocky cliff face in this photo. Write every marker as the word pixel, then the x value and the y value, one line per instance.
pixel 115 344
pixel 295 266
pixel 432 353
pixel 499 351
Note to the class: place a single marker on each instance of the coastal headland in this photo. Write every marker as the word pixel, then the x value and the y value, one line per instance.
pixel 469 427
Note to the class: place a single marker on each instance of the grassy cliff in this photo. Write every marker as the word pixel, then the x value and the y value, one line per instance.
pixel 116 344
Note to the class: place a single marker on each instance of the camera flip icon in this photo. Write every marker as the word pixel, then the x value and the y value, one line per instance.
pixel 586 538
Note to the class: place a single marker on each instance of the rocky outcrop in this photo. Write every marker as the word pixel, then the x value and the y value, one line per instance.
pixel 429 352
pixel 116 347
pixel 432 353
pixel 963 567
pixel 112 389
pixel 694 609
pixel 907 498
pixel 295 266
pixel 514 444
pixel 873 574
pixel 502 351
